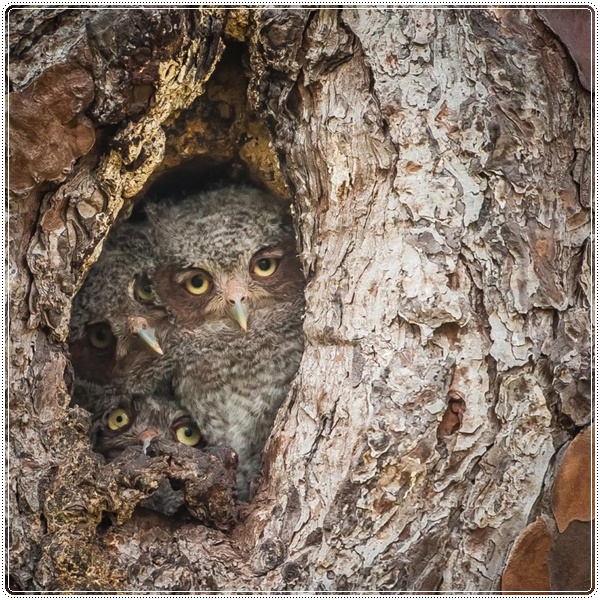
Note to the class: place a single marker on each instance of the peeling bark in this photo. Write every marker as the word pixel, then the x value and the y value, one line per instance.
pixel 439 164
pixel 555 551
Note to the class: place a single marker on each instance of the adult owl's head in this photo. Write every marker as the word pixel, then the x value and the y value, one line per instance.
pixel 116 324
pixel 226 256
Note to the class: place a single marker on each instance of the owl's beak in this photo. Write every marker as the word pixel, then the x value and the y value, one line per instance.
pixel 148 336
pixel 139 326
pixel 146 437
pixel 238 311
pixel 236 297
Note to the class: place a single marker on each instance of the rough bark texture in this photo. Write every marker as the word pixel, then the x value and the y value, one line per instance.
pixel 439 163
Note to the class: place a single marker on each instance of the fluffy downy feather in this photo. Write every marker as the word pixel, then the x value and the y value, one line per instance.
pixel 113 315
pixel 232 283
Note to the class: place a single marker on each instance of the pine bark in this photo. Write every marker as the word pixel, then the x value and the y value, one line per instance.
pixel 439 166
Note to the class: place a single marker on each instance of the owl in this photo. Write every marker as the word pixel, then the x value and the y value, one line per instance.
pixel 116 325
pixel 120 421
pixel 229 276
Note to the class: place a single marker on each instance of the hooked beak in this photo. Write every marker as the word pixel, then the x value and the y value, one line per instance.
pixel 147 335
pixel 239 313
pixel 146 437
pixel 139 326
pixel 236 297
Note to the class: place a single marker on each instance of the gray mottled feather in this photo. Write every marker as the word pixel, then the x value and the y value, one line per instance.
pixel 106 296
pixel 217 227
pixel 231 382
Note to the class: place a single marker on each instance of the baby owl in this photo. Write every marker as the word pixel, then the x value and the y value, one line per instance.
pixel 229 275
pixel 120 421
pixel 116 327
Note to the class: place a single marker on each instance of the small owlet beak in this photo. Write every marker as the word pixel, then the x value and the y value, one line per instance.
pixel 239 313
pixel 146 437
pixel 139 326
pixel 236 297
pixel 148 335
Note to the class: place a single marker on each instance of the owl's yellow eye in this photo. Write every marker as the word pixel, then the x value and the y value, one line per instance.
pixel 265 267
pixel 143 289
pixel 100 335
pixel 118 418
pixel 188 434
pixel 197 284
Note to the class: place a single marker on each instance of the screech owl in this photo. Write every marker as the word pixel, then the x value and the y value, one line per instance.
pixel 116 327
pixel 229 275
pixel 120 421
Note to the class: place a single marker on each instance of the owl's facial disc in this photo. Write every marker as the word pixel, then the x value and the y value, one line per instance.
pixel 139 326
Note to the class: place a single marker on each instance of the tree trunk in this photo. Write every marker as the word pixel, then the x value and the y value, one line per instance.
pixel 439 165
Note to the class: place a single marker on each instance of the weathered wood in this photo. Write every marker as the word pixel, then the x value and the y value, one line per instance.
pixel 439 162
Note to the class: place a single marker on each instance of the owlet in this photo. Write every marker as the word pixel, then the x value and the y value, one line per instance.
pixel 116 328
pixel 229 275
pixel 120 421
pixel 129 420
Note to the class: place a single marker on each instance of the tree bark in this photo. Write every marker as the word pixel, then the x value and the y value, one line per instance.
pixel 439 165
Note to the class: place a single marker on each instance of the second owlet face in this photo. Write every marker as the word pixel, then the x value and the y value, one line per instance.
pixel 122 421
pixel 116 326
